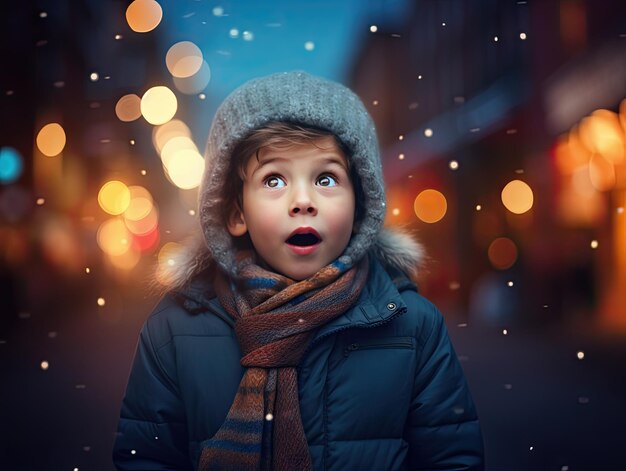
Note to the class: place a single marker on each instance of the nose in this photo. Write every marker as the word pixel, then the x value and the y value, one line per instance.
pixel 302 204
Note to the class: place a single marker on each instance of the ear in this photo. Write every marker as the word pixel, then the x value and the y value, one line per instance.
pixel 236 223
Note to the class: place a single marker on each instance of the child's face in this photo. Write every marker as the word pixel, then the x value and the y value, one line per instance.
pixel 303 188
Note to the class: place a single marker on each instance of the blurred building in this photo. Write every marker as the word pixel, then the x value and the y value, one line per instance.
pixel 468 97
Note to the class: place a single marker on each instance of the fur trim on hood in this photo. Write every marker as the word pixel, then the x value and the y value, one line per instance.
pixel 395 248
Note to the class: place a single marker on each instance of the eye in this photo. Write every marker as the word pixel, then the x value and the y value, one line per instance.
pixel 274 181
pixel 327 180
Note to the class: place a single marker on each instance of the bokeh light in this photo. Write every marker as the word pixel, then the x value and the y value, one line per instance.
pixel 140 205
pixel 581 182
pixel 158 105
pixel 175 145
pixel 185 169
pixel 194 83
pixel 114 197
pixel 113 237
pixel 430 206
pixel 11 165
pixel 51 139
pixel 169 258
pixel 517 197
pixel 163 133
pixel 570 153
pixel 601 173
pixel 502 253
pixel 144 15
pixel 60 245
pixel 183 59
pixel 144 225
pixel 128 108
pixel 146 242
pixel 126 261
pixel 601 132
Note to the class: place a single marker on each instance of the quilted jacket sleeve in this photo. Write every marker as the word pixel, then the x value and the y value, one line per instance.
pixel 443 431
pixel 152 432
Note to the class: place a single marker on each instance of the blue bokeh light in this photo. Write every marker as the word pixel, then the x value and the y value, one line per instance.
pixel 10 165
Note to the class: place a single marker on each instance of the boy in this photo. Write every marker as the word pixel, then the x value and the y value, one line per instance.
pixel 294 338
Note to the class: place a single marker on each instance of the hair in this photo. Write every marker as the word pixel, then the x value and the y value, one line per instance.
pixel 279 134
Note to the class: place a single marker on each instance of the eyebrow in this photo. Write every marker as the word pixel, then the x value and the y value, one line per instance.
pixel 331 159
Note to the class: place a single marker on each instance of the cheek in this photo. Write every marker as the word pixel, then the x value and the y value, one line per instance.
pixel 341 217
pixel 262 218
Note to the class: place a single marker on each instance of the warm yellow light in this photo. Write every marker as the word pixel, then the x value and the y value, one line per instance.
pixel 601 173
pixel 622 115
pixel 169 258
pixel 581 182
pixel 570 153
pixel 158 105
pixel 51 139
pixel 143 15
pixel 114 197
pixel 145 225
pixel 185 169
pixel 196 82
pixel 602 133
pixel 113 237
pixel 128 108
pixel 502 253
pixel 101 302
pixel 175 145
pixel 183 59
pixel 163 133
pixel 430 206
pixel 44 365
pixel 517 197
pixel 140 203
pixel 127 260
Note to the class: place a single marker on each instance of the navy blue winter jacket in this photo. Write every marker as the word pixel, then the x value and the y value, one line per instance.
pixel 380 388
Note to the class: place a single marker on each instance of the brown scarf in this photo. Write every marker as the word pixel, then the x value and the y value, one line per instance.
pixel 276 319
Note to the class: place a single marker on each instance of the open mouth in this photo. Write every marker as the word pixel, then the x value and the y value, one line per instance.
pixel 304 237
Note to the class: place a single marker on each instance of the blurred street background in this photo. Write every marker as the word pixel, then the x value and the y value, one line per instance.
pixel 502 127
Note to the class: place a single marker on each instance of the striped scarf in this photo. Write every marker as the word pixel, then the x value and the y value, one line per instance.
pixel 275 321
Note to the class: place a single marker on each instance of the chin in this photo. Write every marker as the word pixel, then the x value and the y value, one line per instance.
pixel 301 274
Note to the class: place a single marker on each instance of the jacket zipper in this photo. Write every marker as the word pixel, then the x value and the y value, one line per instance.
pixel 346 327
pixel 335 331
pixel 373 345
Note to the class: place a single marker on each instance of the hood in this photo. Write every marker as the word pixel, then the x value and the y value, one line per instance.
pixel 303 99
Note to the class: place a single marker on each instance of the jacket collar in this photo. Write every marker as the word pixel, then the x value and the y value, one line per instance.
pixel 378 303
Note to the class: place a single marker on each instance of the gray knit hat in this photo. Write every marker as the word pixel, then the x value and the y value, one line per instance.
pixel 300 98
